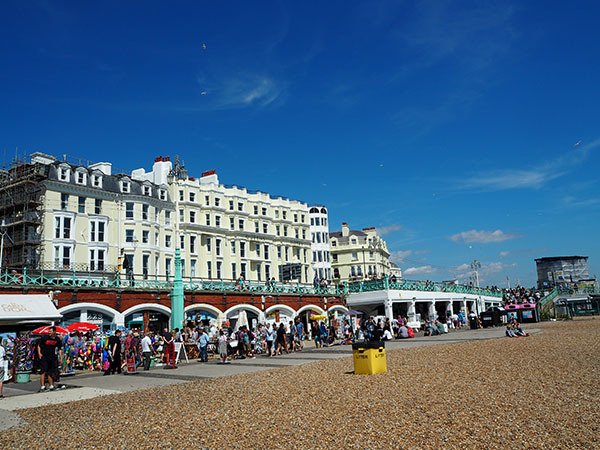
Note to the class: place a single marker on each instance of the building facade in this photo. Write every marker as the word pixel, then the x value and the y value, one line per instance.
pixel 358 254
pixel 84 217
pixel 226 232
pixel 319 234
pixel 101 223
pixel 75 217
pixel 561 270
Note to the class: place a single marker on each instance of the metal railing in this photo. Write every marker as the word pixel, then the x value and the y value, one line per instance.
pixel 548 300
pixel 116 280
pixel 413 285
pixel 578 290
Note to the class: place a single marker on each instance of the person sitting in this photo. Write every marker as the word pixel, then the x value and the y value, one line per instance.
pixel 440 327
pixel 403 332
pixel 431 329
pixel 387 334
pixel 518 330
pixel 509 332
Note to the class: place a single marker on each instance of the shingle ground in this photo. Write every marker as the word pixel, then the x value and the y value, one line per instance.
pixel 537 392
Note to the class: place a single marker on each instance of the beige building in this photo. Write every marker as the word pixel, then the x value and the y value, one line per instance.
pixel 358 254
pixel 69 216
pixel 225 232
pixel 97 222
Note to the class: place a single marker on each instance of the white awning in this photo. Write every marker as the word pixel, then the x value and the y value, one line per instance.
pixel 18 308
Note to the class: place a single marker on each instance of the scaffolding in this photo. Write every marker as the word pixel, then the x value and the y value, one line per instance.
pixel 22 192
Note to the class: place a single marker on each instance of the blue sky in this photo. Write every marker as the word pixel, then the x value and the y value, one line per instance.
pixel 453 126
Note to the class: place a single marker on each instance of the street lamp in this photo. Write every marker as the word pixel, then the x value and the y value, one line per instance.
pixel 476 265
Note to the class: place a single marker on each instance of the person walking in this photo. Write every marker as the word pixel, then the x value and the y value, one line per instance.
pixel 114 353
pixel 48 362
pixel 203 345
pixel 270 336
pixel 316 333
pixel 281 342
pixel 223 346
pixel 169 347
pixel 147 349
pixel 299 334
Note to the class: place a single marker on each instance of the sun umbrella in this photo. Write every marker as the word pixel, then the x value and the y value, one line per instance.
pixel 354 313
pixel 46 330
pixel 242 320
pixel 84 327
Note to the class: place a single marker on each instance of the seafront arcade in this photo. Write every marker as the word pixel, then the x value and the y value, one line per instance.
pixel 410 298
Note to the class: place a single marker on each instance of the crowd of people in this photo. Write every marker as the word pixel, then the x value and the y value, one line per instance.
pixel 520 295
pixel 111 352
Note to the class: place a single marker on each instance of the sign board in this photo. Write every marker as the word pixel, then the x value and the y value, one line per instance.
pixel 95 318
pixel 131 364
pixel 180 348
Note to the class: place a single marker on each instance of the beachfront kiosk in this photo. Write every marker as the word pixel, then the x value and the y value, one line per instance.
pixel 523 312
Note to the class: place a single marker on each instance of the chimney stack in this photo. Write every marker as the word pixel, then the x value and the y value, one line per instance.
pixel 345 229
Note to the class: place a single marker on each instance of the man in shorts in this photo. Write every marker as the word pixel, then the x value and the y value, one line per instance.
pixel 299 334
pixel 48 362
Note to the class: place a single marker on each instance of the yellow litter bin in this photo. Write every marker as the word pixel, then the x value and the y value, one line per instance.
pixel 369 357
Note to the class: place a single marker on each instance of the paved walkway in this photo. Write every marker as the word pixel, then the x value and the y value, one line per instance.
pixel 86 385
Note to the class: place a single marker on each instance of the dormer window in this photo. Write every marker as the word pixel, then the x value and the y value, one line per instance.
pixel 97 180
pixel 147 190
pixel 80 177
pixel 125 187
pixel 162 194
pixel 64 173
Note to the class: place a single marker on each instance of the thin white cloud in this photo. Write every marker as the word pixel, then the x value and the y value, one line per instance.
pixel 241 92
pixel 482 236
pixel 574 202
pixel 421 270
pixel 524 251
pixel 511 179
pixel 400 256
pixel 528 178
pixel 591 145
pixel 389 228
pixel 495 267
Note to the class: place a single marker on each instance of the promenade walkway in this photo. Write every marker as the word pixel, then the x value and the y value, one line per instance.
pixel 85 385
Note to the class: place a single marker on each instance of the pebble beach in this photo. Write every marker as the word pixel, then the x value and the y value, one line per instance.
pixel 536 392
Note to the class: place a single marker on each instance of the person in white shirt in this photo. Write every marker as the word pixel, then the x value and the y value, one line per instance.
pixel 147 350
pixel 387 334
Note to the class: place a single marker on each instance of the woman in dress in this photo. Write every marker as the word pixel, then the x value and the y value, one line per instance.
pixel 223 346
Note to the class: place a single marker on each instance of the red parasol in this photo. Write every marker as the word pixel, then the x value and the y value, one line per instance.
pixel 46 330
pixel 84 327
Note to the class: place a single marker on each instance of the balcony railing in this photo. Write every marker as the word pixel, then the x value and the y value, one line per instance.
pixel 412 285
pixel 111 279
pixel 115 280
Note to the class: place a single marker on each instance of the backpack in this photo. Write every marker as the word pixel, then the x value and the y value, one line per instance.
pixel 411 333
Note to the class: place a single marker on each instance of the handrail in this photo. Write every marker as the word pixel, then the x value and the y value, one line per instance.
pixel 409 285
pixel 115 280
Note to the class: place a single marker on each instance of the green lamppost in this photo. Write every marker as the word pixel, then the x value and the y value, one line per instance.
pixel 177 294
